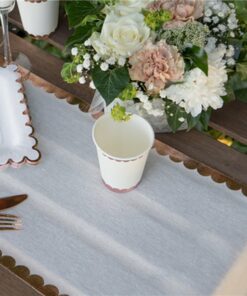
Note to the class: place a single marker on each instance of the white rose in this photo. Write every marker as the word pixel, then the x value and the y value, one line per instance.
pixel 126 7
pixel 121 35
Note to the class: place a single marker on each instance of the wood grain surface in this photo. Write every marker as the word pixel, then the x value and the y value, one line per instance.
pixel 11 285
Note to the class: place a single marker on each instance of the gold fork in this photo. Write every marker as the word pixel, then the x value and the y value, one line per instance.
pixel 10 222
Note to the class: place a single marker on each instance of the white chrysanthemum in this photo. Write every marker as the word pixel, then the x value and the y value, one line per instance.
pixel 199 92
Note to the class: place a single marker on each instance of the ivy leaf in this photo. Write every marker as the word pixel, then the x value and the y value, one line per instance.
pixel 110 83
pixel 198 57
pixel 77 11
pixel 80 34
pixel 174 114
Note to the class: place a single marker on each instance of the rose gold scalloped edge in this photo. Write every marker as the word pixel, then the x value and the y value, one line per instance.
pixel 25 159
pixel 203 170
pixel 36 1
pixel 21 271
pixel 58 92
pixel 161 148
pixel 41 37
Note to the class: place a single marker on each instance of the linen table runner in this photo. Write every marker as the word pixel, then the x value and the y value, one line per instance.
pixel 178 233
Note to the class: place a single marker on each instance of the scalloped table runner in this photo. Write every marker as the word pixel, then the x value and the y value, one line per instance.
pixel 178 233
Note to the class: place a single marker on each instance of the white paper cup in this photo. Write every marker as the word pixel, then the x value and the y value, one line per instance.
pixel 39 18
pixel 122 148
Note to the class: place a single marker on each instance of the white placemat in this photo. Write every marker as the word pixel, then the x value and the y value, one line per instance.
pixel 177 234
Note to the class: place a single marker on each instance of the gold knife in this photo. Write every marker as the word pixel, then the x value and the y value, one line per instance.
pixel 11 201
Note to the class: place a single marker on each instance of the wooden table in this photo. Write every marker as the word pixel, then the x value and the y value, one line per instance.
pixel 195 149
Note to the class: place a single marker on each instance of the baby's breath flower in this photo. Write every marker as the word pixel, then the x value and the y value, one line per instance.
pixel 86 56
pixel 91 85
pixel 104 66
pixel 96 57
pixel 82 80
pixel 79 68
pixel 86 64
pixel 88 42
pixel 74 51
pixel 121 61
pixel 215 19
pixel 111 61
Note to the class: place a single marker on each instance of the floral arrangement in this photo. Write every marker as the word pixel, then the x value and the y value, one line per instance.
pixel 177 59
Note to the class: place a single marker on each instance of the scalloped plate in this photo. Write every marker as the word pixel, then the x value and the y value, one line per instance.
pixel 17 143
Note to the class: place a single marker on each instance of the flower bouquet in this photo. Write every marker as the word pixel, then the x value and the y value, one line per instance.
pixel 171 61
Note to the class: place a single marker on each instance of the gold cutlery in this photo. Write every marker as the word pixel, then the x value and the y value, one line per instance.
pixel 11 201
pixel 10 222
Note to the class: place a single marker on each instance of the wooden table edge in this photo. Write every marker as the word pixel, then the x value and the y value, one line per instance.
pixel 22 277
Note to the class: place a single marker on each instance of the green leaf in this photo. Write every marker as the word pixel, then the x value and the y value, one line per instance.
pixel 239 147
pixel 77 11
pixel 197 57
pixel 80 35
pixel 242 70
pixel 110 83
pixel 239 87
pixel 203 122
pixel 192 121
pixel 174 114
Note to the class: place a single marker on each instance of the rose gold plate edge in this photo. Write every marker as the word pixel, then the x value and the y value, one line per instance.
pixel 25 159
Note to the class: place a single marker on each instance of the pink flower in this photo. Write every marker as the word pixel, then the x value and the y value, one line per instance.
pixel 156 65
pixel 182 10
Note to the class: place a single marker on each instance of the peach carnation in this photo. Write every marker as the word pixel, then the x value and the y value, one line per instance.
pixel 156 65
pixel 182 10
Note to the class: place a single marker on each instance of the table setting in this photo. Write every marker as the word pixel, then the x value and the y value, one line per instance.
pixel 97 203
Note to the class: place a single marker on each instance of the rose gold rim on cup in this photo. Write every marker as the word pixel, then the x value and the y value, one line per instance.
pixel 120 190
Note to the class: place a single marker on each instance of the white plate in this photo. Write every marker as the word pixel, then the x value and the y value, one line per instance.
pixel 17 144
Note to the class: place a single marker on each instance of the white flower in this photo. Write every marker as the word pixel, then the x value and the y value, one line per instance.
pixel 230 52
pixel 221 14
pixel 207 20
pixel 125 7
pixel 104 66
pixel 79 68
pixel 86 64
pixel 121 61
pixel 96 57
pixel 121 36
pixel 231 62
pixel 199 91
pixel 211 45
pixel 111 61
pixel 74 51
pixel 91 85
pixel 181 119
pixel 163 93
pixel 86 56
pixel 142 97
pixel 208 12
pixel 88 42
pixel 82 80
pixel 215 19
pixel 222 27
